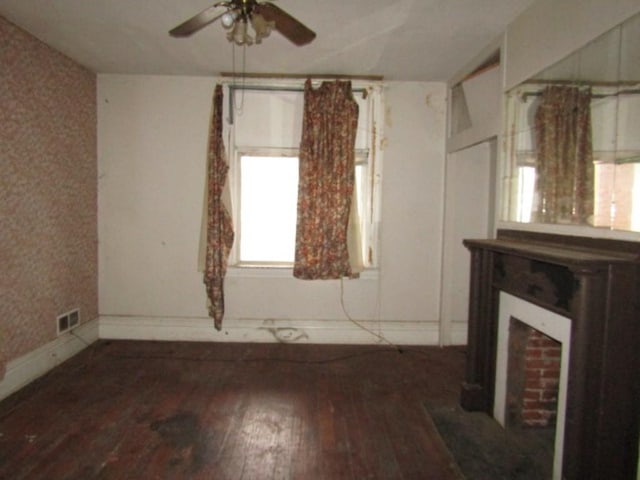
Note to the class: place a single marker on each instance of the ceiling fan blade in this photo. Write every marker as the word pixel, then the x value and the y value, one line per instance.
pixel 288 26
pixel 200 21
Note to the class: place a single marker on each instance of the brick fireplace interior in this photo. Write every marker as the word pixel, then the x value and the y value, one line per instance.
pixel 533 378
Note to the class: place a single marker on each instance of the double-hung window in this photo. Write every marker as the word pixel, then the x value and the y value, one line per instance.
pixel 264 136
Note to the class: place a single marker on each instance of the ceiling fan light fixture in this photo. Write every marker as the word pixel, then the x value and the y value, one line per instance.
pixel 240 34
pixel 235 15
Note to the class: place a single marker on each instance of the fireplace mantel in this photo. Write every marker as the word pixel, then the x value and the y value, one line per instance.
pixel 596 284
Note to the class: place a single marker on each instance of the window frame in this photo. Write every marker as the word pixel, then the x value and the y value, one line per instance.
pixel 369 157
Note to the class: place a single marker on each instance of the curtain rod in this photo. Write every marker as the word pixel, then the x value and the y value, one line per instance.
pixel 269 88
pixel 525 95
pixel 323 76
pixel 582 83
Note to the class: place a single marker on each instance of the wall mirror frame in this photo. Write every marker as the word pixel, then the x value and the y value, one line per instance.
pixel 572 139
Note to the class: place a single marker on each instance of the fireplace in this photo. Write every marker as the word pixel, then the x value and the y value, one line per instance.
pixel 583 293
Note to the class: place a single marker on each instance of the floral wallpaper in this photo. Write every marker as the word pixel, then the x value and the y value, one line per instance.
pixel 48 192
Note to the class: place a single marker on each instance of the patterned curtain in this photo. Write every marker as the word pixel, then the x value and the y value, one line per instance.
pixel 219 226
pixel 564 161
pixel 326 181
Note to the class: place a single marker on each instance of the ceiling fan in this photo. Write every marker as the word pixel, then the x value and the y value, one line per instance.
pixel 236 15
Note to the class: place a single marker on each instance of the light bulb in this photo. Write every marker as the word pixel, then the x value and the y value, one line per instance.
pixel 228 18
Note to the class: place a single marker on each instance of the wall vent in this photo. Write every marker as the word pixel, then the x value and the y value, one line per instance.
pixel 68 321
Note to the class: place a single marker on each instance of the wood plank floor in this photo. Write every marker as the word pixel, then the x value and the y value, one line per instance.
pixel 147 410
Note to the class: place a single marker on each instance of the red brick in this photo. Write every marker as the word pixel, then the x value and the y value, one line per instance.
pixel 530 394
pixel 553 351
pixel 528 405
pixel 534 353
pixel 534 415
pixel 549 384
pixel 534 384
pixel 539 363
pixel 550 373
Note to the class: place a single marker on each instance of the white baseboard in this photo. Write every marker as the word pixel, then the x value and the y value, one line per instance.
pixel 264 331
pixel 25 369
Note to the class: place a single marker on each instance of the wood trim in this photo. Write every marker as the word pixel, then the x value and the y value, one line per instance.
pixel 125 327
pixel 26 368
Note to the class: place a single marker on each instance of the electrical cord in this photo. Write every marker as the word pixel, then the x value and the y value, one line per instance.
pixel 379 336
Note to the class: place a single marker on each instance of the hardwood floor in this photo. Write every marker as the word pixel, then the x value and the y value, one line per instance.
pixel 147 410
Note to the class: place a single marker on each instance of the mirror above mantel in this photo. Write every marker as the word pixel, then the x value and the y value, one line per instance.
pixel 572 138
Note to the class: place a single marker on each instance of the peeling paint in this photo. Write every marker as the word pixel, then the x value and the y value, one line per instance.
pixel 388 121
pixel 435 106
pixel 427 100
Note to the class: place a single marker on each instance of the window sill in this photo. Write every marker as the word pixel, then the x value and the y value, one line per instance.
pixel 284 271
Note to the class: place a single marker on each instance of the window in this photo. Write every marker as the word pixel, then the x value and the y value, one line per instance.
pixel 615 151
pixel 268 208
pixel 526 185
pixel 617 197
pixel 616 201
pixel 264 131
pixel 268 198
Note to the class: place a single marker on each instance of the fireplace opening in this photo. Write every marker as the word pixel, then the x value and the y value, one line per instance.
pixel 533 378
pixel 532 365
pixel 531 391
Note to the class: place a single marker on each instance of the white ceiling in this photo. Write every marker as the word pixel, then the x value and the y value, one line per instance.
pixel 427 40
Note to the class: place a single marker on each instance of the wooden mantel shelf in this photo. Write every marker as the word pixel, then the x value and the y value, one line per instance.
pixel 596 284
pixel 558 254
